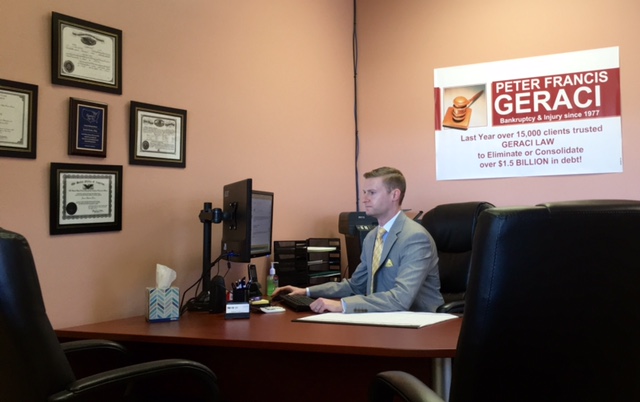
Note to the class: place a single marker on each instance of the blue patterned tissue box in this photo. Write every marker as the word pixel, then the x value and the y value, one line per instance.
pixel 163 304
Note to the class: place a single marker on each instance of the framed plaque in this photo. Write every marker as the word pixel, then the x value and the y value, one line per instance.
pixel 85 54
pixel 18 117
pixel 85 198
pixel 87 128
pixel 157 135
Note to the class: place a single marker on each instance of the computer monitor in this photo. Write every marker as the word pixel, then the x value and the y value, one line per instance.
pixel 247 219
pixel 247 222
pixel 261 223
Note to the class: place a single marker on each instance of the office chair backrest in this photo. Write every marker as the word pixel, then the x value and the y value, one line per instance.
pixel 452 227
pixel 552 305
pixel 32 363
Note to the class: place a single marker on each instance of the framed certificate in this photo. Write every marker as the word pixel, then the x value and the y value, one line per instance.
pixel 85 198
pixel 18 117
pixel 85 54
pixel 87 128
pixel 157 135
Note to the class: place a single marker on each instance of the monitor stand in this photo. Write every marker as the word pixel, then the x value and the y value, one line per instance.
pixel 202 302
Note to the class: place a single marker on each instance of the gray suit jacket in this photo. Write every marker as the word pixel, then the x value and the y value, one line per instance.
pixel 407 279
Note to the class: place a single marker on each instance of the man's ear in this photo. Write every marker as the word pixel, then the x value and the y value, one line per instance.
pixel 396 194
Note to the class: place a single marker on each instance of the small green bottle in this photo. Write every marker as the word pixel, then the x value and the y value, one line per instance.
pixel 272 279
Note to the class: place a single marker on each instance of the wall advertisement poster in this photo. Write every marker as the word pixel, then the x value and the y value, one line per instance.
pixel 538 116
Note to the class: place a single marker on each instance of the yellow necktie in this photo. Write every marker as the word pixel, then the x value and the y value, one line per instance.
pixel 377 253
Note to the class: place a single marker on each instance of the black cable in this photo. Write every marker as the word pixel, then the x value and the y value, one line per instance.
pixel 355 104
pixel 183 306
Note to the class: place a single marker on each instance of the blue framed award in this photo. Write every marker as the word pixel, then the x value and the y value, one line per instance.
pixel 87 128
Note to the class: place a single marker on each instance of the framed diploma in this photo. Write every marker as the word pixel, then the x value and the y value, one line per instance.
pixel 18 117
pixel 85 198
pixel 87 128
pixel 157 135
pixel 85 54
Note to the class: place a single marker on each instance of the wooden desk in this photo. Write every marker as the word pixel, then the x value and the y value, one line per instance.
pixel 270 358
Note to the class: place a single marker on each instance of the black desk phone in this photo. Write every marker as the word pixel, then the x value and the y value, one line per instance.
pixel 254 285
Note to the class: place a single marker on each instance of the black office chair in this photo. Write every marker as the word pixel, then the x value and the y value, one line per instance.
pixel 33 365
pixel 551 309
pixel 452 227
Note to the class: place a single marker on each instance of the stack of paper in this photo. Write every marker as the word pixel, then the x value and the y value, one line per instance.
pixel 407 319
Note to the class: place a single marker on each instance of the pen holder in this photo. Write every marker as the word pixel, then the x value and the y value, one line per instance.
pixel 240 295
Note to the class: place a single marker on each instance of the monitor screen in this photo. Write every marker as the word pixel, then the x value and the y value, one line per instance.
pixel 261 222
pixel 248 219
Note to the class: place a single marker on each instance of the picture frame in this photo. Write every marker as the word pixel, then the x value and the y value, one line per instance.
pixel 85 198
pixel 18 119
pixel 157 135
pixel 87 128
pixel 85 54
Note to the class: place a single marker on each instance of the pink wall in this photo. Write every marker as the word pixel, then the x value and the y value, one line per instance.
pixel 277 76
pixel 402 42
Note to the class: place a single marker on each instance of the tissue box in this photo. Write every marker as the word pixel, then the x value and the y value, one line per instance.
pixel 163 304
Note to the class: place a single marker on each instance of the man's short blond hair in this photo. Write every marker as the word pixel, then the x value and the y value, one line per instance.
pixel 392 179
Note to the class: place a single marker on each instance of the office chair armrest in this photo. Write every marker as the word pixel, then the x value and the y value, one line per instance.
pixel 389 384
pixel 93 356
pixel 138 372
pixel 85 345
pixel 454 307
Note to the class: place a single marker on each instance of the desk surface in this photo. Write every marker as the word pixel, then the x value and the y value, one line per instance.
pixel 277 331
pixel 353 354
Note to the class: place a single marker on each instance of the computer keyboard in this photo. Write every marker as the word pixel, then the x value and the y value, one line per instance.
pixel 296 302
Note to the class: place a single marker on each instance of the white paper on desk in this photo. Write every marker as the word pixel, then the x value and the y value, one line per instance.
pixel 406 319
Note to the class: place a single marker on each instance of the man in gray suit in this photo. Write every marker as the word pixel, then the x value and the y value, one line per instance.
pixel 406 274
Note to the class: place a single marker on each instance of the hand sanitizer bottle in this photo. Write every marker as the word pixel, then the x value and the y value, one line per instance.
pixel 272 279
